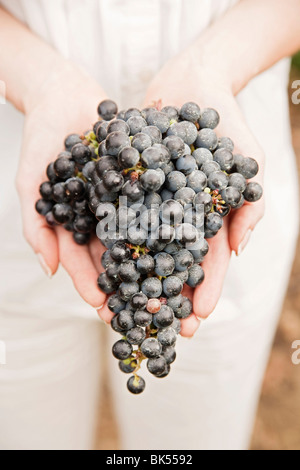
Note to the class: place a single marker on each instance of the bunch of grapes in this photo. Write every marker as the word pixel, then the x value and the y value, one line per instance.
pixel 157 184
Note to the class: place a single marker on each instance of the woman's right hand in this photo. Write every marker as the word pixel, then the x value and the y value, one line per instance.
pixel 65 103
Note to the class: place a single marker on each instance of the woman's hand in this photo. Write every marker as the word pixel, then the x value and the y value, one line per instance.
pixel 184 79
pixel 64 104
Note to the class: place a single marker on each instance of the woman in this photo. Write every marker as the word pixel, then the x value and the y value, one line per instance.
pixel 138 52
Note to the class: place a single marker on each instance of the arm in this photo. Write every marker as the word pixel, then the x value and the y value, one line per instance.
pixel 250 38
pixel 57 98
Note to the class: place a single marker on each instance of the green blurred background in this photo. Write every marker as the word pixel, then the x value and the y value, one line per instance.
pixel 296 60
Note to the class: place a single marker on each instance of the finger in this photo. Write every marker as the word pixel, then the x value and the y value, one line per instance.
pixel 96 251
pixel 190 326
pixel 242 224
pixel 78 263
pixel 215 266
pixel 38 234
pixel 105 314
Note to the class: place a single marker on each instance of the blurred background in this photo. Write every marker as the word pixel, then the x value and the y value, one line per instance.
pixel 277 424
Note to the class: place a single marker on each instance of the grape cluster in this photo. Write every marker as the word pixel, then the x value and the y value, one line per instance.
pixel 157 183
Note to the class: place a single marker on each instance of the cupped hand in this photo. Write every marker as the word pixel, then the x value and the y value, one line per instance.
pixel 66 103
pixel 181 80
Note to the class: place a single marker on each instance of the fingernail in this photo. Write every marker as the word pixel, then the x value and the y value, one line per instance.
pixel 244 242
pixel 44 265
pixel 100 308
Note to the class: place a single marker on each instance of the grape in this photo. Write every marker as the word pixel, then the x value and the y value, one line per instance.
pixel 129 157
pixel 164 317
pixel 183 260
pixel 172 286
pixel 169 353
pixel 154 134
pixel 122 350
pixel 131 112
pixel 71 141
pixel 156 365
pixel 248 167
pixel 82 239
pixel 253 192
pixel 226 143
pixel 145 264
pixel 136 385
pixel 115 304
pixel 113 181
pixel 152 199
pixel 81 154
pixel 190 112
pixel 164 264
pixel 139 301
pixel 179 181
pixel 126 320
pixel 231 196
pixel 152 180
pixel 107 110
pixel 159 120
pixel 128 289
pixel 153 306
pixel 118 125
pixel 185 196
pixel 185 310
pixel 46 191
pixel 136 336
pixel 186 164
pixel 205 200
pixel 217 180
pixel 62 213
pixel 107 285
pixel 133 190
pixel 141 142
pixel 171 212
pixel 84 224
pixel 208 139
pixel 101 131
pixel 116 141
pixel 186 130
pixel 152 287
pixel 236 180
pixel 175 181
pixel 127 368
pixel 213 222
pixel 64 168
pixel 224 158
pixel 167 336
pixel 142 318
pixel 182 275
pixel 128 272
pixel 175 145
pixel 209 118
pixel 197 181
pixel 105 164
pixel 154 157
pixel 43 207
pixel 151 348
pixel 202 155
pixel 196 276
pixel 172 112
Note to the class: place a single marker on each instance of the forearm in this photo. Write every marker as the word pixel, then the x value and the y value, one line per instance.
pixel 249 39
pixel 26 62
